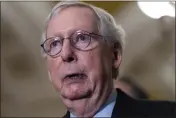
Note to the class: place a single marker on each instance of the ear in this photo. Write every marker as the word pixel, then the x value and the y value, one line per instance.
pixel 117 57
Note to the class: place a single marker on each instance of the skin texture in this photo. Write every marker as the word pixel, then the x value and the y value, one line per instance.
pixel 84 97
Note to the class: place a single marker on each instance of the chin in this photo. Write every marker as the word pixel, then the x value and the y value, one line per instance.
pixel 75 92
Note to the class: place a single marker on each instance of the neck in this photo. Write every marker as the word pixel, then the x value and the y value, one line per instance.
pixel 89 106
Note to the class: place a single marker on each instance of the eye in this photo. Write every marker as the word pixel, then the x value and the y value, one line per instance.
pixel 82 38
pixel 55 43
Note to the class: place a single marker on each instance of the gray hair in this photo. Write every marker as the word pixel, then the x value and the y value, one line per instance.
pixel 106 24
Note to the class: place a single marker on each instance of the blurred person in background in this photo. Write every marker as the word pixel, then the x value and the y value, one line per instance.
pixel 127 85
pixel 83 48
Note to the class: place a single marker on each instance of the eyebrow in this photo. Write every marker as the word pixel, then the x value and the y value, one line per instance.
pixel 70 32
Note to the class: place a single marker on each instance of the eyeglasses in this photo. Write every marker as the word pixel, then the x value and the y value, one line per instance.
pixel 81 40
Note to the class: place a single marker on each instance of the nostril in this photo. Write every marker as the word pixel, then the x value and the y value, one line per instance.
pixel 70 59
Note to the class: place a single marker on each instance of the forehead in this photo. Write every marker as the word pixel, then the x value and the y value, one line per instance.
pixel 71 19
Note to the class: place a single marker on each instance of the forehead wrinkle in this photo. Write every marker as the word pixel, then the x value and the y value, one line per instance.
pixel 65 33
pixel 85 14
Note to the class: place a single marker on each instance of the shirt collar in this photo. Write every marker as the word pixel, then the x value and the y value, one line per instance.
pixel 107 108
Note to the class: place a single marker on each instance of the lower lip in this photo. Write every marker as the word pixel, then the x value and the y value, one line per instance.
pixel 75 80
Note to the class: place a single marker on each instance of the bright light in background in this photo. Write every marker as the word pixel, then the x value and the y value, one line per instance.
pixel 157 9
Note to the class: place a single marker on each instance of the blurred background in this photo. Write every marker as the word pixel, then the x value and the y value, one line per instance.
pixel 148 59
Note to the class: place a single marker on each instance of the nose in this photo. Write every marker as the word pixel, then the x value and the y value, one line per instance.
pixel 67 53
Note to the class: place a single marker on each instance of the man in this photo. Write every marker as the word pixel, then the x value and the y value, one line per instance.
pixel 83 48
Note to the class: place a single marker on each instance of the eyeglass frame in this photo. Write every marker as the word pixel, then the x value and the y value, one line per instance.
pixel 70 37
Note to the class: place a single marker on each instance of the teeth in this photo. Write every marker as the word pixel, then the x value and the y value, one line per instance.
pixel 75 76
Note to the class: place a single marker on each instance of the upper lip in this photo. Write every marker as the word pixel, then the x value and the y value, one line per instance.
pixel 73 73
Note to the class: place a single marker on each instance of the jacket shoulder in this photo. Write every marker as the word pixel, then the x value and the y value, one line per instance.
pixel 156 108
pixel 128 107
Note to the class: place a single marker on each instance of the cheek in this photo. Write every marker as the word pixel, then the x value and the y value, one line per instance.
pixel 53 67
pixel 51 63
pixel 92 62
pixel 97 65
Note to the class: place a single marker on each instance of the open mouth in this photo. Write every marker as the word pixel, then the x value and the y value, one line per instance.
pixel 75 77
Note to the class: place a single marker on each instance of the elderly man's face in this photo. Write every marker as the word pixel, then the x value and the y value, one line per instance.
pixel 74 73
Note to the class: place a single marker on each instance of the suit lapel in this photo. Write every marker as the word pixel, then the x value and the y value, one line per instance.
pixel 122 106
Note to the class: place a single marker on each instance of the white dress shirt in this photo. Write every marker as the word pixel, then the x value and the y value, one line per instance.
pixel 107 108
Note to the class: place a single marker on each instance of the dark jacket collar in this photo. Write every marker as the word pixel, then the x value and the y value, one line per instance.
pixel 121 102
pixel 122 106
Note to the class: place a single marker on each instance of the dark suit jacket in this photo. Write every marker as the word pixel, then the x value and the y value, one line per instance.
pixel 127 107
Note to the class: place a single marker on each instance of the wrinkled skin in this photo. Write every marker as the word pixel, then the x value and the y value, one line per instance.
pixel 84 97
